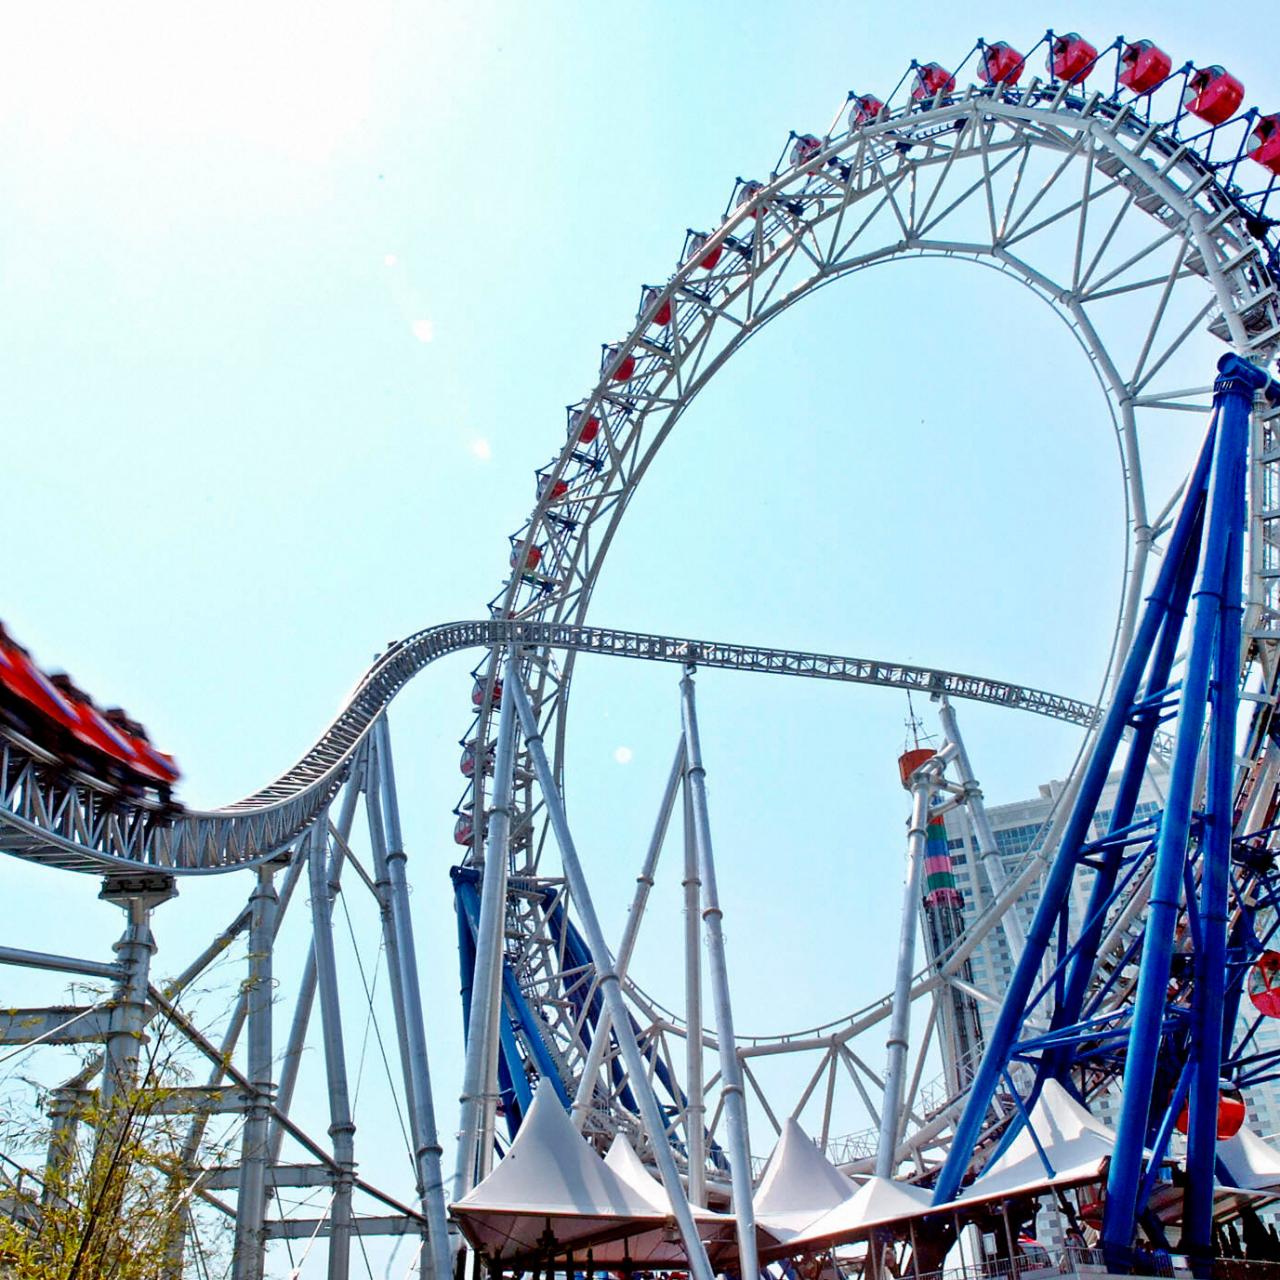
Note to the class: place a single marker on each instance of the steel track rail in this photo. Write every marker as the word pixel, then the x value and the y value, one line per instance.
pixel 63 824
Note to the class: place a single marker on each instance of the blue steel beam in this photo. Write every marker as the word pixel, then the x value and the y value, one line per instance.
pixel 1234 393
pixel 1206 541
pixel 1057 886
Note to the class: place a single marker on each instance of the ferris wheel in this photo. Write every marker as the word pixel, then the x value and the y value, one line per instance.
pixel 1133 199
pixel 1128 195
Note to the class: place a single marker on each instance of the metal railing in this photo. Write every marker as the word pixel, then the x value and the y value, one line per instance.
pixel 1077 1260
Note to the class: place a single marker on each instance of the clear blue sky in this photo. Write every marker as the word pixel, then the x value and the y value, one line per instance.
pixel 294 297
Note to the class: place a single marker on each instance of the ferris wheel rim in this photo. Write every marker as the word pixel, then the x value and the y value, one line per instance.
pixel 973 102
pixel 1118 394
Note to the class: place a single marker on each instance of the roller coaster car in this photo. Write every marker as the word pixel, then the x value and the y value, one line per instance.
pixel 27 698
pixel 1214 95
pixel 932 78
pixel 1071 58
pixel 1001 64
pixel 60 719
pixel 1264 143
pixel 91 732
pixel 1146 66
pixel 157 764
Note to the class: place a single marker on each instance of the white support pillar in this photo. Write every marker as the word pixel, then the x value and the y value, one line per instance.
pixel 895 1072
pixel 137 897
pixel 988 851
pixel 427 1150
pixel 644 882
pixel 479 1082
pixel 341 1127
pixel 695 1104
pixel 249 1254
pixel 291 1059
pixel 610 984
pixel 732 1092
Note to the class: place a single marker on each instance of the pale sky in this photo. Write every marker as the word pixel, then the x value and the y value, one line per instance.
pixel 294 296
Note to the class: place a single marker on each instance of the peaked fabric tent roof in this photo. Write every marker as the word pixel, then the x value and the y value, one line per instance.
pixel 551 1179
pixel 622 1159
pixel 1074 1142
pixel 552 1186
pixel 799 1185
pixel 1251 1161
pixel 877 1202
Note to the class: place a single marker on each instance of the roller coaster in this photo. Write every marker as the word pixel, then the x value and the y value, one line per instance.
pixel 1137 201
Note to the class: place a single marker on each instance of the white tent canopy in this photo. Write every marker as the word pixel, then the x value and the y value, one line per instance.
pixel 551 1179
pixel 799 1185
pixel 877 1202
pixel 1253 1162
pixel 622 1159
pixel 552 1193
pixel 1073 1141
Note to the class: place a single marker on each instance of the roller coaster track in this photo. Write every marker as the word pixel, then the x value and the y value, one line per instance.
pixel 68 823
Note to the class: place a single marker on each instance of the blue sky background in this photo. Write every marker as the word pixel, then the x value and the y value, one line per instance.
pixel 293 298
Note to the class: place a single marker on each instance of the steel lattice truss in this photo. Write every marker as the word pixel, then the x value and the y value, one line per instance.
pixel 67 822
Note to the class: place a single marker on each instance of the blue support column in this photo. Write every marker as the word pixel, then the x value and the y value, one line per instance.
pixel 1146 1026
pixel 1207 538
pixel 1235 397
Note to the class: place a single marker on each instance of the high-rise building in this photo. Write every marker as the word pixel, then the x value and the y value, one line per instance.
pixel 1020 828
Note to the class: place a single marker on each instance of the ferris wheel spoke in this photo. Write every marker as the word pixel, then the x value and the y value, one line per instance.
pixel 1072 154
pixel 1159 310
pixel 1175 401
pixel 959 147
pixel 982 183
pixel 890 190
pixel 1153 246
pixel 1081 206
pixel 1015 188
pixel 1086 205
pixel 1192 326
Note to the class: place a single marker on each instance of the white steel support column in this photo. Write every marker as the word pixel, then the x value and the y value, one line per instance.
pixel 732 1092
pixel 187 1170
pixel 427 1150
pixel 479 1080
pixel 695 1105
pixel 291 1059
pixel 988 850
pixel 895 1072
pixel 610 984
pixel 128 1008
pixel 250 1243
pixel 64 1121
pixel 644 882
pixel 341 1128
pixel 390 941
